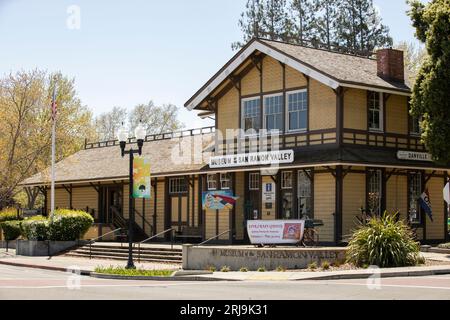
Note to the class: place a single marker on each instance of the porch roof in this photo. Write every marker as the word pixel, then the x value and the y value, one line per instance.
pixel 167 157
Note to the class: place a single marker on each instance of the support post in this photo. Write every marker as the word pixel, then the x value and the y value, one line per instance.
pixel 338 209
pixel 130 264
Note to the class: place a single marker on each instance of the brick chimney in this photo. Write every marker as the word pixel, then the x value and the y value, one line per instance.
pixel 390 65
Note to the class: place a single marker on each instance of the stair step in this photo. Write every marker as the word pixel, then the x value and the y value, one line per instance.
pixel 117 250
pixel 107 257
pixel 125 246
pixel 151 256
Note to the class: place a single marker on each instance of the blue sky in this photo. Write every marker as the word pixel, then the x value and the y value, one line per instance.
pixel 128 52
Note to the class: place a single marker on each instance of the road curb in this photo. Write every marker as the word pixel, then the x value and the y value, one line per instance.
pixel 171 278
pixel 36 266
pixel 387 274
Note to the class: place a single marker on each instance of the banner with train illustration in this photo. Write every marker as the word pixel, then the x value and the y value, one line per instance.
pixel 218 200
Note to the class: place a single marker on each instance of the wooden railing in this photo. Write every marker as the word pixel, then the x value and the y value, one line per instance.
pixel 384 140
pixel 152 137
pixel 318 138
pixel 275 142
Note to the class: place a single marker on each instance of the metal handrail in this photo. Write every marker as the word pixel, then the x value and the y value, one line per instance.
pixel 95 240
pixel 215 237
pixel 144 220
pixel 153 237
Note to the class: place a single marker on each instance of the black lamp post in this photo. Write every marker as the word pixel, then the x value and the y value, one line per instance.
pixel 123 138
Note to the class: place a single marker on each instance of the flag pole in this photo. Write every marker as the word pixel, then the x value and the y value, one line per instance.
pixel 52 192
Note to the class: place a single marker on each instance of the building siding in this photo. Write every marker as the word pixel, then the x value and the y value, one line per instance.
pixel 294 79
pixel 324 204
pixel 435 230
pixel 272 75
pixel 397 114
pixel 354 198
pixel 322 106
pixel 355 109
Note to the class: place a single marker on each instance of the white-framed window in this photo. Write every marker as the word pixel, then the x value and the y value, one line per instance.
pixel 375 109
pixel 414 127
pixel 177 185
pixel 415 191
pixel 374 192
pixel 211 181
pixel 253 181
pixel 225 181
pixel 297 110
pixel 286 180
pixel 304 194
pixel 251 115
pixel 273 112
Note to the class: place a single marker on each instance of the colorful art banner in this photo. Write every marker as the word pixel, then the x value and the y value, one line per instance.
pixel 218 200
pixel 141 178
pixel 275 231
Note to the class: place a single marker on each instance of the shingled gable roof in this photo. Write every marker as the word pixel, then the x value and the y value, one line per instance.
pixel 107 164
pixel 330 68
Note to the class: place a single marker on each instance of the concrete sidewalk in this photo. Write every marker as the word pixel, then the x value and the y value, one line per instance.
pixel 62 263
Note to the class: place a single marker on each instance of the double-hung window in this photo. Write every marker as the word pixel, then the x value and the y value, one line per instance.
pixel 375 108
pixel 211 181
pixel 253 182
pixel 273 113
pixel 225 181
pixel 304 194
pixel 414 126
pixel 415 191
pixel 251 115
pixel 297 110
pixel 375 181
pixel 177 185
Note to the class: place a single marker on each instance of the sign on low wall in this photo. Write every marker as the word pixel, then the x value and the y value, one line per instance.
pixel 275 232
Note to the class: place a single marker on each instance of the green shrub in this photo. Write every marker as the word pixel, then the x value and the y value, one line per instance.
pixel 11 229
pixel 312 266
pixel 243 269
pixel 261 269
pixel 325 265
pixel 8 214
pixel 69 225
pixel 133 272
pixel 384 242
pixel 281 269
pixel 35 228
pixel 211 268
pixel 444 246
pixel 225 269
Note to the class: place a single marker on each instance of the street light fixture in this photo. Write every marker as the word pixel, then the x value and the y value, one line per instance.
pixel 140 134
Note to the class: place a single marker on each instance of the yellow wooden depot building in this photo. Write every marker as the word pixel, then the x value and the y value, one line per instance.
pixel 343 117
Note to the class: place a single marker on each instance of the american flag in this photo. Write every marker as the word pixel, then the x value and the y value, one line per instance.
pixel 54 104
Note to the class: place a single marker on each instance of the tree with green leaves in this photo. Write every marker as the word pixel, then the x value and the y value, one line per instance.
pixel 302 18
pixel 355 24
pixel 431 93
pixel 250 22
pixel 25 127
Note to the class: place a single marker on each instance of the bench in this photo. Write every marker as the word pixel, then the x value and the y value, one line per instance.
pixel 189 233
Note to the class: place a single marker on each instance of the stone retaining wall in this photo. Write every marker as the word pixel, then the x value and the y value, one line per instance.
pixel 201 258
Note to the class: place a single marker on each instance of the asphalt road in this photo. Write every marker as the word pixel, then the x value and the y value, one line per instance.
pixel 24 284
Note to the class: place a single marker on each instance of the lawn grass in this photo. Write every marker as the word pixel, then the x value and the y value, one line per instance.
pixel 121 271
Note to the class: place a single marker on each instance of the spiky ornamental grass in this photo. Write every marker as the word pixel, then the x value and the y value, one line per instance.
pixel 384 242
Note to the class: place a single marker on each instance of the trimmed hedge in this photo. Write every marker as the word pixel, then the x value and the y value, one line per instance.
pixel 11 229
pixel 9 214
pixel 67 225
pixel 35 228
